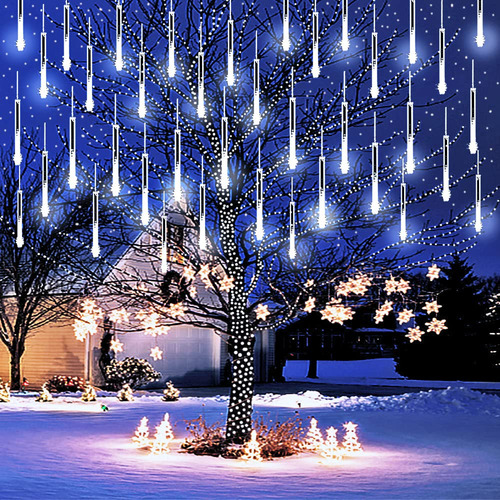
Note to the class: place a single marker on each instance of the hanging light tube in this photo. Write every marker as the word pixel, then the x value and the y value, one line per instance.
pixel 164 237
pixel 17 126
pixel 322 187
pixel 224 176
pixel 90 100
pixel 256 87
pixel 177 159
pixel 473 124
pixel 375 206
pixel 145 184
pixel 95 217
pixel 72 180
pixel 119 36
pixel 259 231
pixel 44 91
pixel 292 250
pixel 315 40
pixel 345 25
pixel 203 230
pixel 412 56
pixel 410 160
pixel 446 159
pixel 478 223
pixel 374 89
pixel 171 42
pixel 403 233
pixel 480 24
pixel 230 48
pixel 45 175
pixel 201 79
pixel 20 43
pixel 286 25
pixel 19 215
pixel 292 161
pixel 66 28
pixel 344 163
pixel 142 79
pixel 115 186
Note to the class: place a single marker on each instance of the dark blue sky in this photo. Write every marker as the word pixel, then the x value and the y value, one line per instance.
pixel 458 15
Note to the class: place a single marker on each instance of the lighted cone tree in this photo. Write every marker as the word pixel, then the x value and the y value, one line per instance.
pixel 266 207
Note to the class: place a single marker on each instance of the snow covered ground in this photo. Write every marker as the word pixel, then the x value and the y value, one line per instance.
pixel 434 444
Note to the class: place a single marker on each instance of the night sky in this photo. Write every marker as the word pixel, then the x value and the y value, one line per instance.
pixel 458 16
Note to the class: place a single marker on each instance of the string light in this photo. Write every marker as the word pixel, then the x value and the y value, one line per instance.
pixel 480 28
pixel 145 184
pixel 374 88
pixel 403 232
pixel 66 28
pixel 89 104
pixel 44 91
pixel 256 86
pixel 315 40
pixel 292 160
pixel 286 25
pixel 119 36
pixel 177 157
pixel 18 158
pixel 259 231
pixel 230 47
pixel 95 217
pixel 142 78
pixel 412 56
pixel 442 48
pixel 446 159
pixel 72 145
pixel 375 206
pixel 203 231
pixel 473 101
pixel 344 163
pixel 478 224
pixel 224 176
pixel 171 42
pixel 45 174
pixel 345 25
pixel 410 160
pixel 20 43
pixel 115 186
pixel 322 187
pixel 292 251
pixel 201 77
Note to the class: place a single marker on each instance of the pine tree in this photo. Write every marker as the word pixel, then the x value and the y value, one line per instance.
pixel 45 396
pixel 330 449
pixel 252 449
pixel 4 392
pixel 170 393
pixel 125 393
pixel 351 443
pixel 314 440
pixel 141 437
pixel 89 394
pixel 163 436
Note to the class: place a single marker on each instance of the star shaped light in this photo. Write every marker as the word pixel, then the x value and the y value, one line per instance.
pixel 309 283
pixel 403 286
pixel 156 353
pixel 336 312
pixel 116 346
pixel 226 284
pixel 414 334
pixel 176 310
pixel 431 307
pixel 383 311
pixel 310 304
pixel 192 291
pixel 433 272
pixel 119 316
pixel 436 325
pixel 188 273
pixel 405 315
pixel 262 312
pixel 391 286
pixel 204 272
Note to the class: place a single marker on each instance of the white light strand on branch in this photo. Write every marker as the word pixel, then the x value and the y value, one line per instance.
pixel 480 27
pixel 171 42
pixel 256 86
pixel 90 100
pixel 412 56
pixel 119 36
pixel 66 28
pixel 201 78
pixel 203 229
pixel 344 162
pixel 177 158
pixel 322 187
pixel 446 159
pixel 142 78
pixel 19 218
pixel 442 55
pixel 164 237
pixel 375 206
pixel 230 48
pixel 473 125
pixel 145 184
pixel 18 158
pixel 292 252
pixel 224 174
pixel 95 217
pixel 20 43
pixel 345 25
pixel 45 174
pixel 115 186
pixel 315 41
pixel 72 145
pixel 374 90
pixel 410 160
pixel 286 25
pixel 403 232
pixel 478 223
pixel 292 160
pixel 259 227
pixel 44 91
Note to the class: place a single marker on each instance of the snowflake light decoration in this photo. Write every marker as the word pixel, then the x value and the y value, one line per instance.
pixel 188 273
pixel 226 284
pixel 405 315
pixel 262 312
pixel 156 353
pixel 431 307
pixel 436 325
pixel 433 272
pixel 176 310
pixel 310 305
pixel 414 334
pixel 204 272
pixel 116 346
pixel 118 316
pixel 336 312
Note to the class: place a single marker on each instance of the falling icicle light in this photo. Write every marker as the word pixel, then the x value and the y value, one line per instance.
pixel 145 184
pixel 17 126
pixel 375 203
pixel 142 79
pixel 315 40
pixel 177 158
pixel 410 160
pixel 20 44
pixel 344 163
pixel 19 219
pixel 119 36
pixel 292 160
pixel 115 187
pixel 412 56
pixel 230 48
pixel 45 175
pixel 480 29
pixel 322 187
pixel 259 227
pixel 72 146
pixel 286 25
pixel 90 100
pixel 478 224
pixel 345 25
pixel 95 217
pixel 203 229
pixel 374 89
pixel 403 234
pixel 201 78
pixel 473 138
pixel 292 251
pixel 446 159
pixel 224 175
pixel 256 86
pixel 171 42
pixel 164 237
pixel 66 57
pixel 442 48
pixel 44 91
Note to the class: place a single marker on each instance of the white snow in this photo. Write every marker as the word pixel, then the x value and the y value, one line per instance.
pixel 432 444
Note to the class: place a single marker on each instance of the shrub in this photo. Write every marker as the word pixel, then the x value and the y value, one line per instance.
pixel 171 393
pixel 132 371
pixel 64 383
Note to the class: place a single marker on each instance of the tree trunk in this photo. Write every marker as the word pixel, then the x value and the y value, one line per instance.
pixel 15 370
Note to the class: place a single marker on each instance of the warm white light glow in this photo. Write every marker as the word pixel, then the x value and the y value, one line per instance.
pixel 20 43
pixel 480 24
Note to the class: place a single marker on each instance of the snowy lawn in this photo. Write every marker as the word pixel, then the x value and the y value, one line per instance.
pixel 438 444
